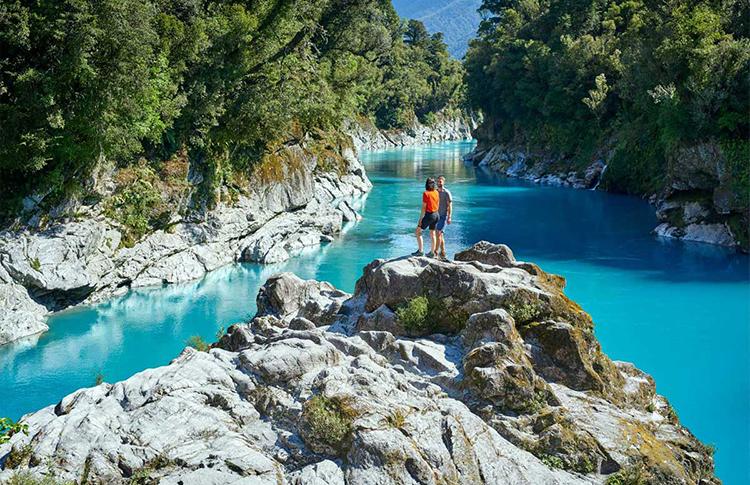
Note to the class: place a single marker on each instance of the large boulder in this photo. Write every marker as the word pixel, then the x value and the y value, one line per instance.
pixel 287 296
pixel 62 265
pixel 23 316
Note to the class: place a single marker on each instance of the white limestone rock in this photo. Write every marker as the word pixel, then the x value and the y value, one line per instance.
pixel 21 314
pixel 301 394
pixel 82 261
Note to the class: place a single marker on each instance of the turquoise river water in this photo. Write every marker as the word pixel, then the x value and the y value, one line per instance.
pixel 679 311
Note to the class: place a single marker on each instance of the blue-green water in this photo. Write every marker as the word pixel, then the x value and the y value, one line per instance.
pixel 679 311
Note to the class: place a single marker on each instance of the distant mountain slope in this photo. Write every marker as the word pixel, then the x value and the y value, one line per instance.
pixel 456 19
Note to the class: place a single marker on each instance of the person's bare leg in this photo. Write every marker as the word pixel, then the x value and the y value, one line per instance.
pixel 441 242
pixel 433 241
pixel 419 239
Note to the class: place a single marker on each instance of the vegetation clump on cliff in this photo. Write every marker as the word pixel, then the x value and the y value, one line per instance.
pixel 328 423
pixel 220 83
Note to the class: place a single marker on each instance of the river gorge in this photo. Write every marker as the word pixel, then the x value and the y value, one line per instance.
pixel 677 310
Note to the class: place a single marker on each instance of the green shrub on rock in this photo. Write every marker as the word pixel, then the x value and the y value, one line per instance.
pixel 553 461
pixel 632 475
pixel 327 424
pixel 8 428
pixel 197 342
pixel 27 478
pixel 425 315
pixel 413 315
pixel 524 308
pixel 18 457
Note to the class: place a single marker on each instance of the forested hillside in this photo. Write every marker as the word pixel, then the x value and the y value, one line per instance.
pixel 457 20
pixel 636 82
pixel 218 83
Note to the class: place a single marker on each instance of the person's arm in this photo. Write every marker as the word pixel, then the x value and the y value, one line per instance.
pixel 450 207
pixel 421 214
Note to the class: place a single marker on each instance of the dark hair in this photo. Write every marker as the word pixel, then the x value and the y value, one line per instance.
pixel 429 184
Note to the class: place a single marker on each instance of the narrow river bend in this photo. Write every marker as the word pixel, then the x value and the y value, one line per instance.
pixel 679 311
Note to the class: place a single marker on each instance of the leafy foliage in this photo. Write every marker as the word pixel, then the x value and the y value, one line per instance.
pixel 8 428
pixel 28 478
pixel 638 77
pixel 553 461
pixel 221 81
pixel 413 315
pixel 197 342
pixel 329 420
pixel 425 314
pixel 632 475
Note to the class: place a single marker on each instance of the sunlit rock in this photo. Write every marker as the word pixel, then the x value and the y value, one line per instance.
pixel 514 390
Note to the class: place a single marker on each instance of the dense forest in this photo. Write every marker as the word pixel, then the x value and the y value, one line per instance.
pixel 221 83
pixel 628 80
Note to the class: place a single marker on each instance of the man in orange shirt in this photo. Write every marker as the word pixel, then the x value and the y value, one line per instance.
pixel 428 217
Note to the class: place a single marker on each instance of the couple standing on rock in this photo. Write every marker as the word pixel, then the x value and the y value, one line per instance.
pixel 437 206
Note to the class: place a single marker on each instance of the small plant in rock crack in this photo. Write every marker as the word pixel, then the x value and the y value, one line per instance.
pixel 553 461
pixel 397 418
pixel 423 315
pixel 328 422
pixel 197 342
pixel 28 478
pixel 632 475
pixel 413 314
pixel 8 428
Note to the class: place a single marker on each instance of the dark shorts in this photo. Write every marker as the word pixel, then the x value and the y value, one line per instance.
pixel 441 223
pixel 430 220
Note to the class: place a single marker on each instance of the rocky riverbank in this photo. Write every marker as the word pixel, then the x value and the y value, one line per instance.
pixel 82 258
pixel 697 201
pixel 473 371
pixel 367 136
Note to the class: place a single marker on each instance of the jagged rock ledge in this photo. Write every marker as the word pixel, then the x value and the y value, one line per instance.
pixel 82 261
pixel 697 203
pixel 503 382
pixel 367 136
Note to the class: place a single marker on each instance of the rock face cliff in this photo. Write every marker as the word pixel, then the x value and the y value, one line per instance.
pixel 697 202
pixel 82 260
pixel 473 371
pixel 367 136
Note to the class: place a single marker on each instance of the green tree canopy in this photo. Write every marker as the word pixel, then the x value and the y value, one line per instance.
pixel 636 76
pixel 83 81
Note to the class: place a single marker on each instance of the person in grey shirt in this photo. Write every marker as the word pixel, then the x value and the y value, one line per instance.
pixel 445 210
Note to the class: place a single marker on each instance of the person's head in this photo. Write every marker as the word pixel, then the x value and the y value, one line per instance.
pixel 440 182
pixel 429 184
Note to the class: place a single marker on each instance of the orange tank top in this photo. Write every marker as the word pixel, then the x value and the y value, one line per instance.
pixel 432 199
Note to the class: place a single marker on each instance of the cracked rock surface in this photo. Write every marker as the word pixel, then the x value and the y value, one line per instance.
pixel 504 382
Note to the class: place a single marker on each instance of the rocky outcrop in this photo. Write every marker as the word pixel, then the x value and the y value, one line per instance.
pixel 537 167
pixel 698 202
pixel 499 380
pixel 367 136
pixel 82 261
